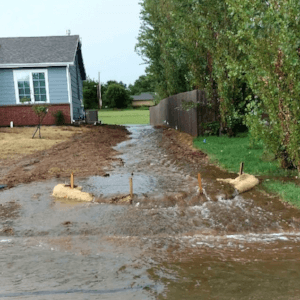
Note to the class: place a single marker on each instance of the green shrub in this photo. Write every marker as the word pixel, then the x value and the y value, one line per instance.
pixel 143 107
pixel 59 118
pixel 40 110
pixel 211 128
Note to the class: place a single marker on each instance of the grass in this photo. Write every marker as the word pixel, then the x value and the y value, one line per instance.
pixel 228 153
pixel 17 141
pixel 289 192
pixel 124 116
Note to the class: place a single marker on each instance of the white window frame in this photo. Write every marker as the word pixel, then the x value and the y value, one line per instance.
pixel 30 71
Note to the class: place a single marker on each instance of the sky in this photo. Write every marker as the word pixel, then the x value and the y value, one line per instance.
pixel 108 29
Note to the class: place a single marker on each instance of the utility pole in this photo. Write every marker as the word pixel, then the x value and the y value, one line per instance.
pixel 99 91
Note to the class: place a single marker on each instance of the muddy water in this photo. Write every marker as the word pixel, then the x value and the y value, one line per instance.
pixel 170 243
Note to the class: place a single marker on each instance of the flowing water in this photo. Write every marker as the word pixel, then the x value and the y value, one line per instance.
pixel 170 243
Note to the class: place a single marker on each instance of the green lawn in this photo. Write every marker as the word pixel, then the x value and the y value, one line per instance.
pixel 125 116
pixel 287 191
pixel 228 153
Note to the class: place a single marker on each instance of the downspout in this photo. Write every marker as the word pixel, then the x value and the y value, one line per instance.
pixel 70 92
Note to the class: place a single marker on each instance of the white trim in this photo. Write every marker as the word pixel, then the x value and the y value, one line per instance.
pixel 36 65
pixel 70 91
pixel 30 71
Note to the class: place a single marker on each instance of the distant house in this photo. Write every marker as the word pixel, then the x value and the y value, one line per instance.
pixel 144 99
pixel 40 70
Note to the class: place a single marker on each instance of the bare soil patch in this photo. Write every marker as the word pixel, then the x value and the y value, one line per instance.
pixel 17 141
pixel 84 150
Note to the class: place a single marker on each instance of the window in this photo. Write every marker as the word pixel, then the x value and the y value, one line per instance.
pixel 31 86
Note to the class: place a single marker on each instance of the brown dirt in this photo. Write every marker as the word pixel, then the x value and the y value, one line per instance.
pixel 84 150
pixel 17 141
pixel 9 210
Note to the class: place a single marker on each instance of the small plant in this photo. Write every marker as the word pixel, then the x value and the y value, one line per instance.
pixel 41 111
pixel 211 128
pixel 59 118
pixel 25 99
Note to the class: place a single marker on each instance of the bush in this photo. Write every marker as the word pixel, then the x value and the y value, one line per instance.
pixel 118 96
pixel 143 107
pixel 59 118
pixel 211 128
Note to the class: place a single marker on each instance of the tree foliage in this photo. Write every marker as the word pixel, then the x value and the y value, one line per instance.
pixel 142 85
pixel 118 96
pixel 90 100
pixel 107 100
pixel 243 53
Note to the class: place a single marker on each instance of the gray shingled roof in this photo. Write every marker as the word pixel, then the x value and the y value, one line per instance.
pixel 143 96
pixel 44 49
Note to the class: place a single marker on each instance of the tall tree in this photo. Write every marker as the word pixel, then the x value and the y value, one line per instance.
pixel 118 96
pixel 90 99
pixel 104 87
pixel 268 33
pixel 142 85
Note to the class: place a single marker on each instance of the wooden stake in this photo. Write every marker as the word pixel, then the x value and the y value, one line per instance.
pixel 131 187
pixel 200 184
pixel 72 180
pixel 241 168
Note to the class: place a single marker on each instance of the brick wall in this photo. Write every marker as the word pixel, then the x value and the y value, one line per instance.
pixel 23 115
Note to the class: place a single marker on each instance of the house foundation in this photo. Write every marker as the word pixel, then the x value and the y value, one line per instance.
pixel 24 115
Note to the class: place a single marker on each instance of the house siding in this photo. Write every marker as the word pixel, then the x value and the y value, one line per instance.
pixel 58 85
pixel 7 88
pixel 76 86
pixel 143 102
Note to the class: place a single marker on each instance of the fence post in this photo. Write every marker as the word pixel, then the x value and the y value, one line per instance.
pixel 72 180
pixel 131 187
pixel 241 168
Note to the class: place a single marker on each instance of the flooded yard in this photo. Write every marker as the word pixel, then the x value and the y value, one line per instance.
pixel 170 243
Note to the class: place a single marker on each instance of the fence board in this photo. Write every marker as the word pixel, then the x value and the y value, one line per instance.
pixel 170 112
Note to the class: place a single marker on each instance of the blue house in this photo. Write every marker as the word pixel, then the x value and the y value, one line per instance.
pixel 46 70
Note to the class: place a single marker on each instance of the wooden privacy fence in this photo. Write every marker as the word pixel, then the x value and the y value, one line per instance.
pixel 170 112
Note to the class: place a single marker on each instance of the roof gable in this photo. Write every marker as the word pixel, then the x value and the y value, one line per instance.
pixel 38 50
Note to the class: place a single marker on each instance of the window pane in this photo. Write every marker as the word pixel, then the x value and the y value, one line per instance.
pixel 43 98
pixel 37 97
pixel 20 84
pixel 26 84
pixel 27 91
pixel 35 83
pixel 22 76
pixel 35 75
pixel 42 83
pixel 43 91
pixel 41 76
pixel 36 91
pixel 24 98
pixel 21 92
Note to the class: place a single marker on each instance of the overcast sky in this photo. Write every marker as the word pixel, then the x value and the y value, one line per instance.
pixel 108 28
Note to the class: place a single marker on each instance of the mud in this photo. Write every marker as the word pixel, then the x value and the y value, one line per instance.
pixel 84 154
pixel 170 243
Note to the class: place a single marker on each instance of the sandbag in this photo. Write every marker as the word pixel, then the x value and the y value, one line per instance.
pixel 242 183
pixel 63 191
